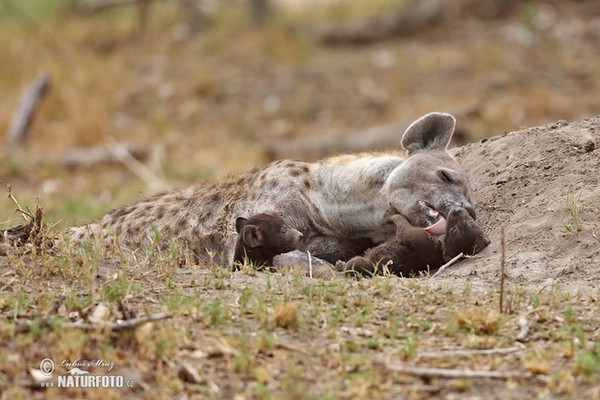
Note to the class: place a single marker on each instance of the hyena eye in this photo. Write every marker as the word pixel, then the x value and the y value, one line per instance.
pixel 446 176
pixel 284 230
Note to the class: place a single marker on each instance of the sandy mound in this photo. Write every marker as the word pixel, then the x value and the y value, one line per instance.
pixel 522 181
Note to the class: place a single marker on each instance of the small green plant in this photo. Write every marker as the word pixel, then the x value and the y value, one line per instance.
pixel 373 344
pixel 409 348
pixel 535 300
pixel 74 300
pixel 117 289
pixel 570 314
pixel 575 207
pixel 215 312
pixel 19 303
pixel 177 301
pixel 588 363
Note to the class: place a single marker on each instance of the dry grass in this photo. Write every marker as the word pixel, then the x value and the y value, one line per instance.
pixel 210 102
pixel 271 335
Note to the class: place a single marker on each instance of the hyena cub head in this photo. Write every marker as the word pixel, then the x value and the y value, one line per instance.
pixel 429 183
pixel 463 235
pixel 263 236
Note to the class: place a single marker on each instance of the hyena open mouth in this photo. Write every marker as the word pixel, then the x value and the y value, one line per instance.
pixel 437 220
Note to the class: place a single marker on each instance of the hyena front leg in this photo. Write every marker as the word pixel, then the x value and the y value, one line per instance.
pixel 333 248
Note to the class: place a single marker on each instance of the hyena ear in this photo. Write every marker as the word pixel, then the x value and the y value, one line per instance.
pixel 430 132
pixel 239 224
pixel 252 236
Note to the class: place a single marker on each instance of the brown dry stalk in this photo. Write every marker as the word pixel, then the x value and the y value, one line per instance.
pixel 502 261
pixel 26 215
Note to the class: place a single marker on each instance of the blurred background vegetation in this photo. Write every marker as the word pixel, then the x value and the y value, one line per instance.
pixel 201 89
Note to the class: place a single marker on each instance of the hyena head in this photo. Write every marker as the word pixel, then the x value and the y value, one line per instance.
pixel 429 183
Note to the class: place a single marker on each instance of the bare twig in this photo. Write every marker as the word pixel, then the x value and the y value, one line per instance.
pixel 55 305
pixel 122 154
pixel 502 261
pixel 309 265
pixel 91 156
pixel 449 263
pixel 27 216
pixel 101 5
pixel 460 373
pixel 122 326
pixel 18 130
pixel 130 324
pixel 469 352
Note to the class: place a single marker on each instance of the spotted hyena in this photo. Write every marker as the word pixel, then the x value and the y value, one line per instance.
pixel 337 203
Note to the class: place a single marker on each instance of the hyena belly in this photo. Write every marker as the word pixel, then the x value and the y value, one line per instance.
pixel 202 218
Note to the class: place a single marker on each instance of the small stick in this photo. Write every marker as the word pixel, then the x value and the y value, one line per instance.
pixel 55 305
pixel 449 263
pixel 502 269
pixel 460 373
pixel 26 215
pixel 309 265
pixel 122 326
pixel 469 353
pixel 114 327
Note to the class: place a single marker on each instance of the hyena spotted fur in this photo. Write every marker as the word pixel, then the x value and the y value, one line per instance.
pixel 337 203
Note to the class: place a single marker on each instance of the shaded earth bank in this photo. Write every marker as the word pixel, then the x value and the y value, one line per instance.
pixel 542 185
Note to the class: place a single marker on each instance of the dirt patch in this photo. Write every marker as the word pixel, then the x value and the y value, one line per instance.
pixel 542 185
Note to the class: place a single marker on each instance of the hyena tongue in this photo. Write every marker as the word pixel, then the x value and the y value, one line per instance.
pixel 438 228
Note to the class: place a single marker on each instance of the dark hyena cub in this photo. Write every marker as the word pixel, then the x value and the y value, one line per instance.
pixel 263 236
pixel 414 249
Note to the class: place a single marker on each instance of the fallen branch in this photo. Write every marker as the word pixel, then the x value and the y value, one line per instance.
pixel 129 324
pixel 405 21
pixel 468 352
pixel 101 5
pixel 18 130
pixel 461 373
pixel 90 156
pixel 449 263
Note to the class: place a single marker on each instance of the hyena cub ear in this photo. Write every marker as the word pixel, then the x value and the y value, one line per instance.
pixel 251 235
pixel 429 133
pixel 239 224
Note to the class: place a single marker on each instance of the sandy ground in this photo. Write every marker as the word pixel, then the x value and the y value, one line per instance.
pixel 522 181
